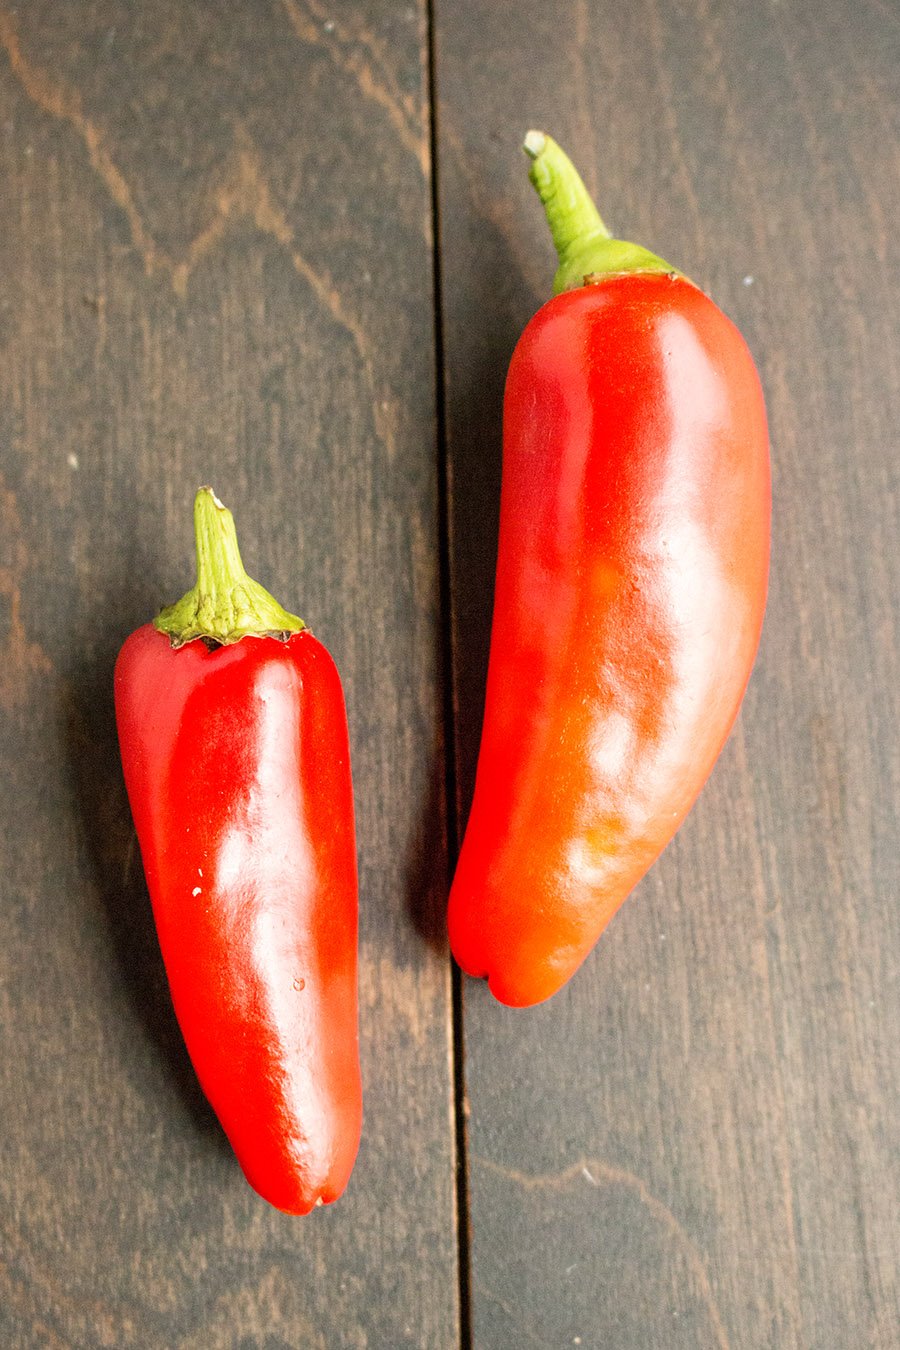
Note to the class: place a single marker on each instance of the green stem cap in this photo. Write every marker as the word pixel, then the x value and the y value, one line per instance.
pixel 225 605
pixel 587 251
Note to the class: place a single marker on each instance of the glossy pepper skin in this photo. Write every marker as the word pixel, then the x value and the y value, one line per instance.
pixel 237 766
pixel 631 584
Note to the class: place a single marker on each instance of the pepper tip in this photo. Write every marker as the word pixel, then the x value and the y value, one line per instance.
pixel 205 489
pixel 534 143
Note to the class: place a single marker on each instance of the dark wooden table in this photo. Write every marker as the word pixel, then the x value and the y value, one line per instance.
pixel 287 248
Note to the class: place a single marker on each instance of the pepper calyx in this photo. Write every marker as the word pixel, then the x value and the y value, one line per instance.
pixel 225 604
pixel 584 245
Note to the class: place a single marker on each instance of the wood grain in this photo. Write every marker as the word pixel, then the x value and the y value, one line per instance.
pixel 696 1143
pixel 215 266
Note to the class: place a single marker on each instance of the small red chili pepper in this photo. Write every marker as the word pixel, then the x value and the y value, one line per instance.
pixel 234 744
pixel 631 584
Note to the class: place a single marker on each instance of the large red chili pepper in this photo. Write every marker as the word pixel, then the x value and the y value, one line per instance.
pixel 234 743
pixel 631 584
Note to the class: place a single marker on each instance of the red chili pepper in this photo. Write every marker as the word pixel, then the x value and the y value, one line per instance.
pixel 631 584
pixel 234 743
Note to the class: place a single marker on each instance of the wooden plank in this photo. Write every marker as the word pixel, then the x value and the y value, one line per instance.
pixel 215 265
pixel 696 1143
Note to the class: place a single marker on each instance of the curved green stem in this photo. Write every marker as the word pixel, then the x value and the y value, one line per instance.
pixel 571 214
pixel 586 249
pixel 225 604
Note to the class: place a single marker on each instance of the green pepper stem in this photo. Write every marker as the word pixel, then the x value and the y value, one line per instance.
pixel 225 604
pixel 571 214
pixel 587 251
